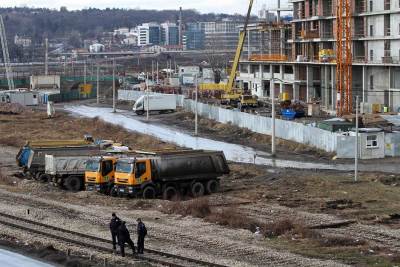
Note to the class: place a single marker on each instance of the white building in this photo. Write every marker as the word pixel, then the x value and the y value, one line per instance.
pixel 96 48
pixel 23 41
pixel 149 34
pixel 121 31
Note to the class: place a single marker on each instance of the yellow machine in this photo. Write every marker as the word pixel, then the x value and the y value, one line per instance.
pixel 232 95
pixel 99 174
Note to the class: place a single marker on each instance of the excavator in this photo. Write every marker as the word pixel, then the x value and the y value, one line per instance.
pixel 232 95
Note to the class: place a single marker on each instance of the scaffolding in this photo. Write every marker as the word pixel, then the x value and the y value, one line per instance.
pixel 344 57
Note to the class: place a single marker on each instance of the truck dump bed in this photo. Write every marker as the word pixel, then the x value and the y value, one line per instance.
pixel 64 165
pixel 190 165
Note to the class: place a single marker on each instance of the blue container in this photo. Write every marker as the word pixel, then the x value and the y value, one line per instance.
pixel 288 114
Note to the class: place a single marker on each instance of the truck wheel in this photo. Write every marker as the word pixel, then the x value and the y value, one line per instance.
pixel 149 193
pixel 139 112
pixel 37 175
pixel 73 183
pixel 212 186
pixel 169 193
pixel 44 178
pixel 113 192
pixel 197 189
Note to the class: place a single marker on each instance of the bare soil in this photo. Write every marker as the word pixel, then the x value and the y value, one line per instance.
pixel 262 216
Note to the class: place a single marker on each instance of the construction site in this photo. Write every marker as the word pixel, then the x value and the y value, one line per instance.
pixel 282 152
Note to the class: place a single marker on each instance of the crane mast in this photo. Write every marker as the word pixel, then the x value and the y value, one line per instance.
pixel 344 58
pixel 6 56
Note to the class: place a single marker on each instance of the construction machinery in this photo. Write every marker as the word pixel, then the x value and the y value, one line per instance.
pixel 232 95
pixel 31 157
pixel 99 174
pixel 344 57
pixel 170 174
pixel 6 56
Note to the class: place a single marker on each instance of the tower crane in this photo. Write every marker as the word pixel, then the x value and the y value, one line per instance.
pixel 344 57
pixel 6 56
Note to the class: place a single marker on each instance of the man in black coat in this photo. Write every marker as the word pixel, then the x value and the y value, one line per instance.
pixel 114 224
pixel 124 237
pixel 141 232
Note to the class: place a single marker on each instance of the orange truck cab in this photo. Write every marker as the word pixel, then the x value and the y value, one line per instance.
pixel 131 175
pixel 99 174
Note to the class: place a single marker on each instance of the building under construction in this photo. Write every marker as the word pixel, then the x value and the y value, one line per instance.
pixel 305 60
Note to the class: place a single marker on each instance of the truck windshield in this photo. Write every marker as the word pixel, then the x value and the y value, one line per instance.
pixel 124 167
pixel 93 166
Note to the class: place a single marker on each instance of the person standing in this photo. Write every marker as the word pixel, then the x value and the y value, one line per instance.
pixel 124 237
pixel 114 224
pixel 141 232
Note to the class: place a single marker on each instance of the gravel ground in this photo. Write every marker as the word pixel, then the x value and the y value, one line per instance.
pixel 185 236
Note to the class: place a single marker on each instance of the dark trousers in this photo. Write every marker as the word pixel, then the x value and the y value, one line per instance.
pixel 114 237
pixel 122 246
pixel 140 244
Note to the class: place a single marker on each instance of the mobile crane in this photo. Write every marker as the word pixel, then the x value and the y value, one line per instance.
pixel 231 94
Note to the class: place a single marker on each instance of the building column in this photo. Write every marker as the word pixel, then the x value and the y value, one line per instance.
pixel 296 91
pixel 248 44
pixel 326 85
pixel 261 92
pixel 364 88
pixel 281 77
pixel 333 86
pixel 310 85
pixel 390 90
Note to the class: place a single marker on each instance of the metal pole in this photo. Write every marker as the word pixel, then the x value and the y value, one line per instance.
pixel 84 74
pixel 272 86
pixel 152 70
pixel 157 72
pixel 98 85
pixel 356 150
pixel 147 96
pixel 114 94
pixel 46 57
pixel 196 116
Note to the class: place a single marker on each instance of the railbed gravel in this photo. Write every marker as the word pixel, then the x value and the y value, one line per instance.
pixel 187 236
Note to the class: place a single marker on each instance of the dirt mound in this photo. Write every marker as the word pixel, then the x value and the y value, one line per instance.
pixel 12 109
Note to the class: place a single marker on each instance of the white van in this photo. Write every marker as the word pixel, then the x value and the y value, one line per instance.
pixel 162 103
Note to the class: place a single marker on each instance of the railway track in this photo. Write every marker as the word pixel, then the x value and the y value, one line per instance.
pixel 97 243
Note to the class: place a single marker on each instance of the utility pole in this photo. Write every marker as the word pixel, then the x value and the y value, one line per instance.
pixel 6 55
pixel 272 87
pixel 113 85
pixel 46 57
pixel 98 84
pixel 157 72
pixel 147 96
pixel 196 111
pixel 356 150
pixel 84 74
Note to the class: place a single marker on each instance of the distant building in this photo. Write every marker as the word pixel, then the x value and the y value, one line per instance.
pixel 169 34
pixel 121 31
pixel 130 40
pixel 265 15
pixel 96 48
pixel 22 41
pixel 223 35
pixel 193 38
pixel 149 34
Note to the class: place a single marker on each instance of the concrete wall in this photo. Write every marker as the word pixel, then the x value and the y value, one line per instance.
pixel 380 83
pixel 287 130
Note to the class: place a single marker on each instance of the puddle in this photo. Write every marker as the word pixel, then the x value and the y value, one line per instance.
pixel 233 152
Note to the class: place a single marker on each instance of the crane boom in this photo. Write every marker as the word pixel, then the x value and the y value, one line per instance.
pixel 6 56
pixel 239 49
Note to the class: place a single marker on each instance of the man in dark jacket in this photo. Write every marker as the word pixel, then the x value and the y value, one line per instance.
pixel 114 224
pixel 124 237
pixel 141 232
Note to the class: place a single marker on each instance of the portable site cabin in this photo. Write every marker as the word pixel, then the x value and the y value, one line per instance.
pixel 20 96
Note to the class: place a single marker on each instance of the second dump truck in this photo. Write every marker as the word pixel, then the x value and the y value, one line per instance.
pixel 170 174
pixel 99 174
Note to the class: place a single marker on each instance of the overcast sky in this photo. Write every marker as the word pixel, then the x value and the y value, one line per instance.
pixel 204 6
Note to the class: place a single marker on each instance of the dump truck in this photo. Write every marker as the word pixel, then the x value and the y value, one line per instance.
pixel 32 159
pixel 170 174
pixel 66 171
pixel 99 174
